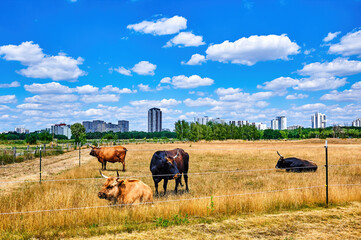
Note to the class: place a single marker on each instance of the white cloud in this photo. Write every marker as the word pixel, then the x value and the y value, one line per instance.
pixel 193 81
pixel 247 97
pixel 46 88
pixel 163 26
pixel 296 96
pixel 122 71
pixel 8 99
pixel 156 103
pixel 200 102
pixel 249 51
pixel 346 95
pixel 308 51
pixel 144 68
pixel 100 98
pixel 26 53
pixel 310 107
pixel 110 88
pixel 279 84
pixel 338 67
pixel 196 59
pixel 10 85
pixel 330 36
pixel 350 44
pixel 227 91
pixel 39 65
pixel 186 39
pixel 52 98
pixel 320 83
pixel 86 89
pixel 144 88
pixel 356 85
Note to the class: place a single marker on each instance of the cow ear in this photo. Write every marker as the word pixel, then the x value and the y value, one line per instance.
pixel 120 181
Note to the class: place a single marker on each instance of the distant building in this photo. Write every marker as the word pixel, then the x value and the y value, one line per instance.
pixel 154 120
pixel 318 120
pixel 61 129
pixel 218 120
pixel 280 123
pixel 294 127
pixel 123 125
pixel 356 123
pixel 203 120
pixel 101 126
pixel 21 130
pixel 242 123
pixel 260 126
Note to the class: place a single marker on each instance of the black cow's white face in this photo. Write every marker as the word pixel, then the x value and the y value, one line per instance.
pixel 171 167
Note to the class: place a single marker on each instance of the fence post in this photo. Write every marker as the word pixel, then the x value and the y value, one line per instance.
pixel 44 147
pixel 40 165
pixel 326 166
pixel 27 149
pixel 14 155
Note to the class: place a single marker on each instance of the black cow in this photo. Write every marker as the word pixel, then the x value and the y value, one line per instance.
pixel 295 164
pixel 168 165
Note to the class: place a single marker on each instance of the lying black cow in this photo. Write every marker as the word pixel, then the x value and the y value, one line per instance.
pixel 295 164
pixel 168 165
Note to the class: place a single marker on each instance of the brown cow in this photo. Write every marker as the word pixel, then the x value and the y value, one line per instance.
pixel 125 191
pixel 109 154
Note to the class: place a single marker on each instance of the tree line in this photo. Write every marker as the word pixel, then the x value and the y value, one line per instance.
pixel 216 131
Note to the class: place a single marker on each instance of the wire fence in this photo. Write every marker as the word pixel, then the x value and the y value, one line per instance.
pixel 173 200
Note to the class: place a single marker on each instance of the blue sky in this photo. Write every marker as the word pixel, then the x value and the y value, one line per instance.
pixel 70 61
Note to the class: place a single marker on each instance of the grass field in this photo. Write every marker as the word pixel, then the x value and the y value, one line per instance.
pixel 257 188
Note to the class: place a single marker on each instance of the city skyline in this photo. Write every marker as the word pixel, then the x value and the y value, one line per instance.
pixel 236 60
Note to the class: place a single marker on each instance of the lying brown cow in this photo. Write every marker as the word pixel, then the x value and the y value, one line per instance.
pixel 125 191
pixel 109 154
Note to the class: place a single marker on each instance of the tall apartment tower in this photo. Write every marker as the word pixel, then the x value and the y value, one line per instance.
pixel 280 123
pixel 318 120
pixel 123 125
pixel 154 120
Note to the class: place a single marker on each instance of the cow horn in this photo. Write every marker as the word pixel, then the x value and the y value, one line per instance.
pixel 103 174
pixel 176 155
pixel 117 173
pixel 279 154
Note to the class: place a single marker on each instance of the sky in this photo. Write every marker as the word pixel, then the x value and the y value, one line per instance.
pixel 68 61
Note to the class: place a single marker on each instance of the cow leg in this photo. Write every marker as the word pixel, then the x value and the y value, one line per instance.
pixel 177 181
pixel 105 165
pixel 123 167
pixel 156 181
pixel 165 185
pixel 185 175
pixel 102 165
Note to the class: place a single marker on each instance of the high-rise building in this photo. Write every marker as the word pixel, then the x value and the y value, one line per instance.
pixel 123 125
pixel 203 120
pixel 61 129
pixel 154 120
pixel 318 120
pixel 356 123
pixel 21 130
pixel 260 126
pixel 280 123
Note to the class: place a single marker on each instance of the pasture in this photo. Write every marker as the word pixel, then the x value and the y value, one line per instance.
pixel 239 175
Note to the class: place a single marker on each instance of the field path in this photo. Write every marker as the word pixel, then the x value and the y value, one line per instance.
pixel 11 175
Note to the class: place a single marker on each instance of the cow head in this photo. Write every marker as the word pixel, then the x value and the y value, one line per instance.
pixel 280 163
pixel 112 188
pixel 95 151
pixel 171 167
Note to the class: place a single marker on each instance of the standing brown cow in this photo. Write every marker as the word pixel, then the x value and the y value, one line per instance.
pixel 109 154
pixel 125 191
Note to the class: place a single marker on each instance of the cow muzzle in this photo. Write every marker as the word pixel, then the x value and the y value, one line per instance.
pixel 102 195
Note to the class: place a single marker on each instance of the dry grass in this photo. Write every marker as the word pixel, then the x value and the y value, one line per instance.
pixel 204 156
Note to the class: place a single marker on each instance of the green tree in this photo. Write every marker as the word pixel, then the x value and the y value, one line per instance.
pixel 78 132
pixel 31 139
pixel 182 129
pixel 45 136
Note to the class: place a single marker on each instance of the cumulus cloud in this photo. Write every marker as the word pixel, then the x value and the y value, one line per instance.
pixel 356 85
pixel 338 67
pixel 8 99
pixel 247 97
pixel 249 51
pixel 196 59
pixel 52 98
pixel 346 95
pixel 110 88
pixel 227 91
pixel 330 36
pixel 10 85
pixel 200 102
pixel 39 65
pixel 100 98
pixel 296 96
pixel 144 88
pixel 156 103
pixel 163 26
pixel 349 45
pixel 310 107
pixel 279 84
pixel 46 88
pixel 86 89
pixel 320 83
pixel 193 81
pixel 185 39
pixel 144 68
pixel 122 71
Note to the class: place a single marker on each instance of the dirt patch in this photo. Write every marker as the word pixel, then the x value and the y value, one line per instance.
pixel 12 175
